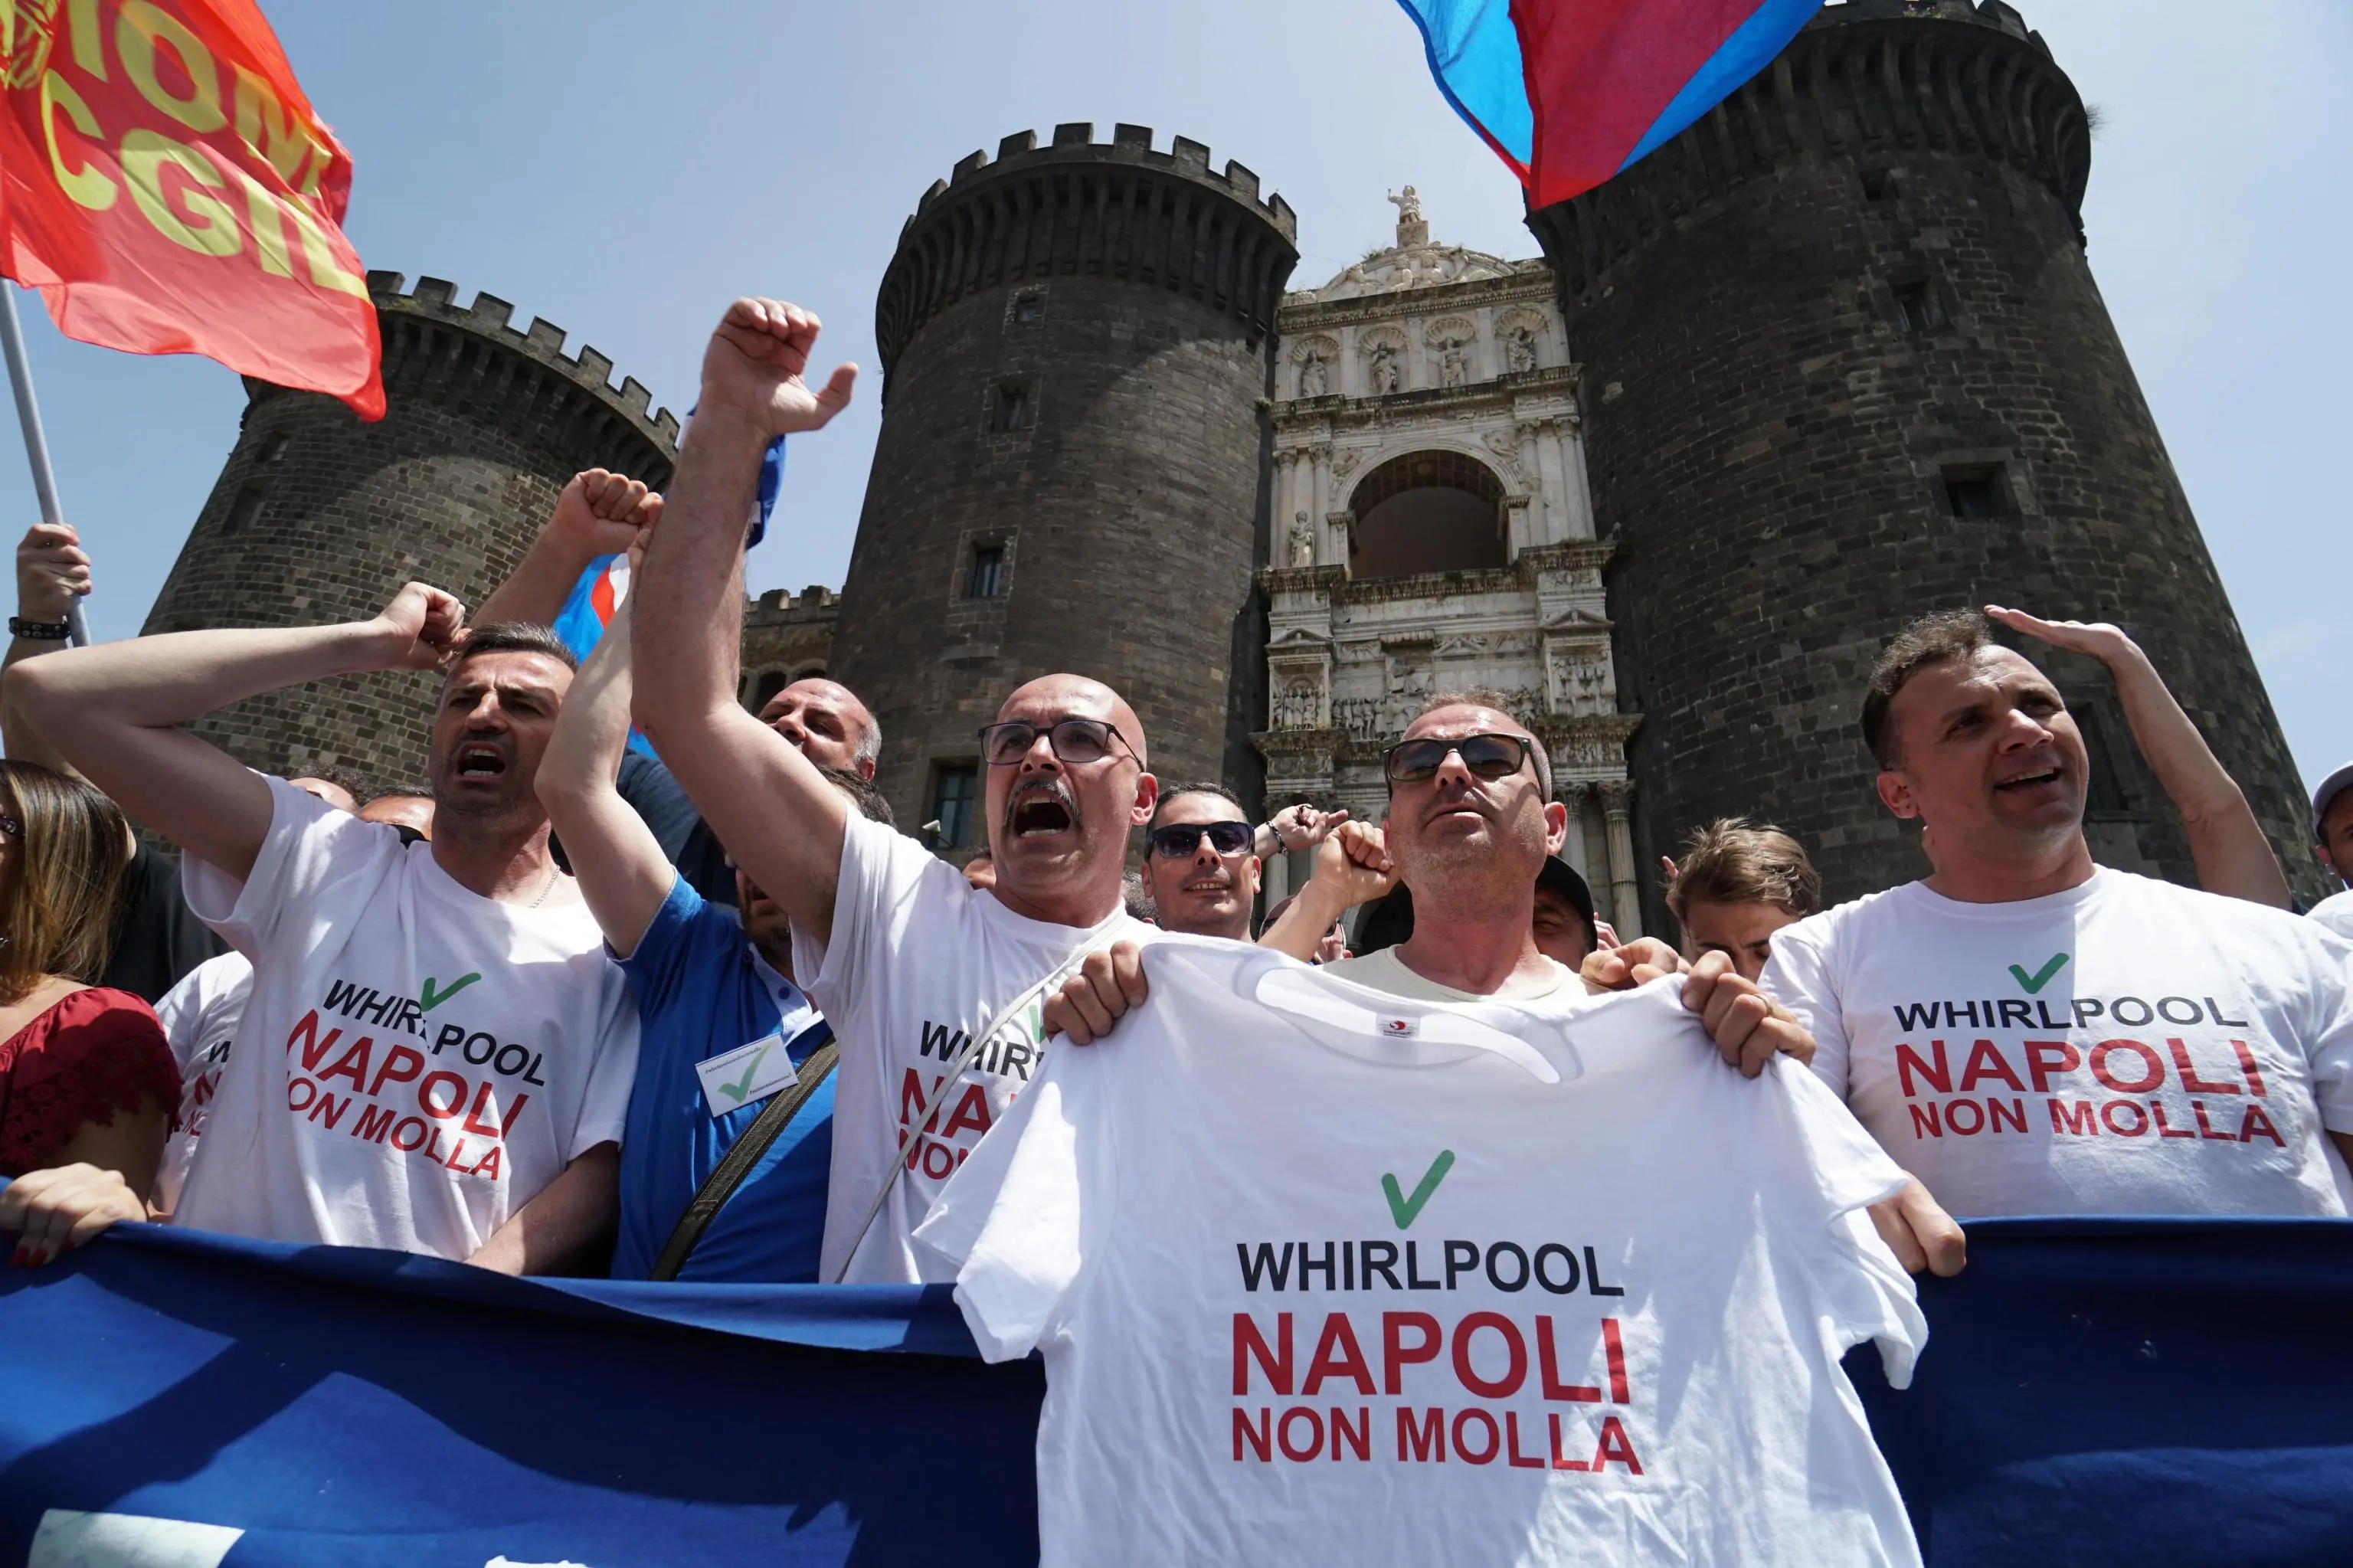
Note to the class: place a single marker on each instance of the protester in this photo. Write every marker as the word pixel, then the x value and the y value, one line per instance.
pixel 436 1056
pixel 602 514
pixel 916 970
pixel 1739 882
pixel 408 811
pixel 2226 843
pixel 2029 1033
pixel 86 1084
pixel 1198 865
pixel 2332 825
pixel 154 940
pixel 724 1029
pixel 1154 1218
pixel 1331 947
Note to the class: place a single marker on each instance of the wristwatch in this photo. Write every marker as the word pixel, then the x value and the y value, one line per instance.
pixel 37 631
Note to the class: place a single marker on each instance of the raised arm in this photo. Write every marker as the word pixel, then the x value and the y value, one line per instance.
pixel 599 514
pixel 113 711
pixel 2226 843
pixel 765 801
pixel 1352 867
pixel 52 571
pixel 623 873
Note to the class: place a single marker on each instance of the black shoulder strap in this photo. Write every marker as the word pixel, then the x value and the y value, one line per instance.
pixel 729 1173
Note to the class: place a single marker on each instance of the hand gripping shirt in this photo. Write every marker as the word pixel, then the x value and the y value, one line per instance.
pixel 2125 1047
pixel 918 961
pixel 1327 1274
pixel 416 1061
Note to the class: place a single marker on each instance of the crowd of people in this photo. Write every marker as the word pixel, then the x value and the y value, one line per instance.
pixel 695 1009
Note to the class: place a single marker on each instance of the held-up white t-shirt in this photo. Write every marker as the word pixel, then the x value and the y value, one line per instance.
pixel 1327 1274
pixel 199 1016
pixel 416 1061
pixel 2124 1047
pixel 918 960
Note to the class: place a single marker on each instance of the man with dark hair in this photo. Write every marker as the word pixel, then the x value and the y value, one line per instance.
pixel 1198 865
pixel 731 1057
pixel 929 985
pixel 436 1056
pixel 2030 1032
pixel 2332 826
pixel 601 513
pixel 408 812
pixel 1739 882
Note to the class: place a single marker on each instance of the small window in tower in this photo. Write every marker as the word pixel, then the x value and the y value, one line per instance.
pixel 952 793
pixel 244 509
pixel 987 580
pixel 1029 309
pixel 1012 414
pixel 1878 184
pixel 1977 492
pixel 1916 300
pixel 765 689
pixel 275 447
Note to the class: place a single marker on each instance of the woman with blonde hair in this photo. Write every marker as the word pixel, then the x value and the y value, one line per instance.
pixel 87 1087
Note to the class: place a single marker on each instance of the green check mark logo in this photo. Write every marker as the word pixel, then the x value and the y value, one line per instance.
pixel 2034 982
pixel 1405 1210
pixel 430 999
pixel 743 1085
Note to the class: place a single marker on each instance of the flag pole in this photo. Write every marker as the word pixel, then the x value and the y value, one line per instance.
pixel 36 445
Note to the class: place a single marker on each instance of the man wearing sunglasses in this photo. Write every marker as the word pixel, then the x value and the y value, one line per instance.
pixel 932 986
pixel 1470 821
pixel 1199 865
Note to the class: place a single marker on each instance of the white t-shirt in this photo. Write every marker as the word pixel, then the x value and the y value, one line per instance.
pixel 199 1016
pixel 1325 1275
pixel 917 962
pixel 416 1061
pixel 2125 1047
pixel 2336 912
pixel 1384 971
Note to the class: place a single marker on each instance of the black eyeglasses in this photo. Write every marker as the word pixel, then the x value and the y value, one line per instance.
pixel 1487 755
pixel 1073 740
pixel 1178 842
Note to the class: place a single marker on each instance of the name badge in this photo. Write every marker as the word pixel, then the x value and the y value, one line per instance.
pixel 747 1075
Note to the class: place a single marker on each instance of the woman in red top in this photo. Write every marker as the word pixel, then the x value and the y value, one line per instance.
pixel 87 1087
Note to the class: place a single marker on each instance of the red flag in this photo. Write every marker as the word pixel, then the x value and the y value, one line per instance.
pixel 166 186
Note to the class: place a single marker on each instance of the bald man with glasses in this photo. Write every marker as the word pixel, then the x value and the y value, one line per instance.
pixel 933 987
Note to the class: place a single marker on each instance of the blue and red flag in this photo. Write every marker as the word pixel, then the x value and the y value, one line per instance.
pixel 1569 92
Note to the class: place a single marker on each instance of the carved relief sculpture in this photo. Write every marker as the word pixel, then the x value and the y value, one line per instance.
pixel 1302 540
pixel 1314 382
pixel 1454 367
pixel 1382 369
pixel 1520 350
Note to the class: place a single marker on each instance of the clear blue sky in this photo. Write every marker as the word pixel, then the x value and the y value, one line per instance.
pixel 625 170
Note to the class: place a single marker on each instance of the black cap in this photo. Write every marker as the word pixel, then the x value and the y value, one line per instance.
pixel 1389 919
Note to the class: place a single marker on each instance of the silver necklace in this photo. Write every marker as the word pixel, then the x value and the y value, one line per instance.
pixel 544 888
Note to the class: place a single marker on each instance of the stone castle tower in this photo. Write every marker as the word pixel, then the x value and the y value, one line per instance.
pixel 1077 346
pixel 1844 360
pixel 319 517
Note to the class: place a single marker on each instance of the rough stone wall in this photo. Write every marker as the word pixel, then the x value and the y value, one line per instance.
pixel 1128 296
pixel 786 637
pixel 319 517
pixel 1769 436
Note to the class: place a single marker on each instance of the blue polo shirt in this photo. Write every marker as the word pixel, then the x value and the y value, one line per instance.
pixel 702 992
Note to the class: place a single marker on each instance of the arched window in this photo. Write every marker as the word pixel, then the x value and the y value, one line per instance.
pixel 1427 512
pixel 770 682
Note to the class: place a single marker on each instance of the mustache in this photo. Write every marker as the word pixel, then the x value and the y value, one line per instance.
pixel 1053 789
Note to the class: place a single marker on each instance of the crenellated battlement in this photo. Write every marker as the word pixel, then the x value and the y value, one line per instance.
pixel 1076 207
pixel 778 603
pixel 1869 80
pixel 434 304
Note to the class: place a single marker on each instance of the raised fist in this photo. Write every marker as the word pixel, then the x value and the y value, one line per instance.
pixel 602 514
pixel 421 627
pixel 52 571
pixel 754 365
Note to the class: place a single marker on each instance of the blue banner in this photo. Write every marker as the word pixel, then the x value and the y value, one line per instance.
pixel 2094 1392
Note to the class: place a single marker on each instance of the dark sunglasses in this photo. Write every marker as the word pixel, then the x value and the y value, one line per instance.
pixel 1072 740
pixel 1486 756
pixel 1177 842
